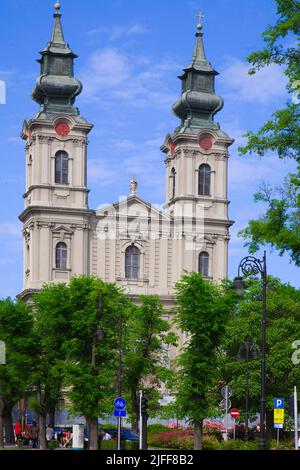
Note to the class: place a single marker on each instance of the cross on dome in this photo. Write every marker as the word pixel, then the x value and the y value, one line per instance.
pixel 200 17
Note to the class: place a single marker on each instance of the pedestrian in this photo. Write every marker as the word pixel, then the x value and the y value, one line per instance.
pixel 34 434
pixel 49 433
pixel 18 430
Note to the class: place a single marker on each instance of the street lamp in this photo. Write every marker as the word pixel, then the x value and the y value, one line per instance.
pixel 247 350
pixel 250 266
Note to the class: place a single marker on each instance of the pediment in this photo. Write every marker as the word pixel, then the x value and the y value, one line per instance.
pixel 134 207
pixel 62 228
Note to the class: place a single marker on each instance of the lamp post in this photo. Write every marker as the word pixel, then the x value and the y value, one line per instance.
pixel 250 266
pixel 120 326
pixel 247 350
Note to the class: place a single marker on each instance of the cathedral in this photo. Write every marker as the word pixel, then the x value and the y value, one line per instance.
pixel 142 247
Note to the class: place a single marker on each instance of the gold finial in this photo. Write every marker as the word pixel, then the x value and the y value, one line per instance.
pixel 57 6
pixel 200 17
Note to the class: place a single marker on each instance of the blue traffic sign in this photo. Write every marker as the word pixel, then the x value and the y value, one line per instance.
pixel 279 403
pixel 120 403
pixel 120 413
pixel 278 426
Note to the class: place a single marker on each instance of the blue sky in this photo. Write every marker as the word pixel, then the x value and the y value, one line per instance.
pixel 130 54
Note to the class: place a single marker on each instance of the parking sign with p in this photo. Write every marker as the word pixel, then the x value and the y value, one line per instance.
pixel 278 403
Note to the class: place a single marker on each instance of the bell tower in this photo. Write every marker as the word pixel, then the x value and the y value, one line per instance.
pixel 56 214
pixel 197 164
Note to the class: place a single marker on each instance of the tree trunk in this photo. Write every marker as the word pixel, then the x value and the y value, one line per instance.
pixel 1 426
pixel 92 424
pixel 42 431
pixel 135 411
pixel 269 426
pixel 198 436
pixel 52 419
pixel 8 425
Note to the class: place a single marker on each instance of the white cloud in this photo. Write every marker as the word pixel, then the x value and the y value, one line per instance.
pixel 146 166
pixel 111 75
pixel 237 84
pixel 100 170
pixel 116 32
pixel 249 172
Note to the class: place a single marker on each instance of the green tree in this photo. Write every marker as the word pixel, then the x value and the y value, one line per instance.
pixel 146 352
pixel 279 226
pixel 203 309
pixel 283 328
pixel 16 332
pixel 51 330
pixel 92 358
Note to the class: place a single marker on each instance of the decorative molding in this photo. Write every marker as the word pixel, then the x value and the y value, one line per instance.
pixel 221 156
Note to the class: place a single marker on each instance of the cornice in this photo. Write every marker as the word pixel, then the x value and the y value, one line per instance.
pixel 42 210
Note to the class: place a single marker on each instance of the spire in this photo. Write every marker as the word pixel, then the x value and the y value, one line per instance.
pixel 57 42
pixel 56 88
pixel 198 103
pixel 57 33
pixel 199 61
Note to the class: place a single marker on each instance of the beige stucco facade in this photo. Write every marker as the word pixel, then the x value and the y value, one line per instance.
pixel 169 238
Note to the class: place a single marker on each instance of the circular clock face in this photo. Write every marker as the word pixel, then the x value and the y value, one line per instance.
pixel 62 129
pixel 206 142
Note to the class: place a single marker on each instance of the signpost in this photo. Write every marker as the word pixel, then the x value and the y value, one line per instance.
pixel 119 403
pixel 278 415
pixel 226 393
pixel 234 413
pixel 296 418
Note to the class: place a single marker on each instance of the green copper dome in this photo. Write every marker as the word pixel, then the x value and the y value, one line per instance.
pixel 56 88
pixel 198 103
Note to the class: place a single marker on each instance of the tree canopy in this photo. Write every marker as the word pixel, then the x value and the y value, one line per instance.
pixel 279 226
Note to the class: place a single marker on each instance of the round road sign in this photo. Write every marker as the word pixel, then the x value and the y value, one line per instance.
pixel 235 413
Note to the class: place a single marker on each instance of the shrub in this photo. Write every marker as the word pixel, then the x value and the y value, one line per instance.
pixel 108 445
pixel 213 428
pixel 53 444
pixel 157 428
pixel 130 445
pixel 286 445
pixel 210 443
pixel 20 443
pixel 240 431
pixel 182 439
pixel 238 445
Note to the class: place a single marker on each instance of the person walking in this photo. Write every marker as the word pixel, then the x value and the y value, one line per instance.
pixel 34 434
pixel 18 430
pixel 49 433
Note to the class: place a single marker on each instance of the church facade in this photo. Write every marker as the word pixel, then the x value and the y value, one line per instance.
pixel 142 247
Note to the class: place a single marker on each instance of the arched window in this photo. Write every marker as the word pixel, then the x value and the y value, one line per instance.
pixel 62 168
pixel 204 180
pixel 61 256
pixel 173 182
pixel 132 262
pixel 203 264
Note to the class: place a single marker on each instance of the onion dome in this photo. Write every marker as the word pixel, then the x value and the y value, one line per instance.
pixel 198 103
pixel 56 88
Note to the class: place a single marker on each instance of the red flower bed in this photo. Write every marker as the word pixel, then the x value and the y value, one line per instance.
pixel 181 439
